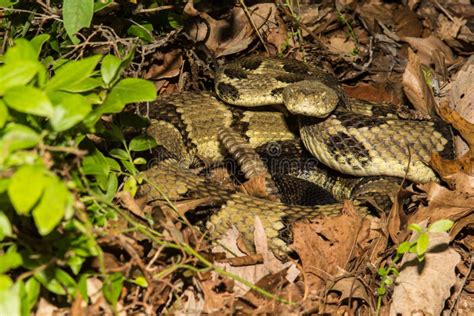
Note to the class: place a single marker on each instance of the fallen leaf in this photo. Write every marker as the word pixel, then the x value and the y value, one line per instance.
pixel 464 163
pixel 166 65
pixel 130 203
pixel 45 308
pixel 424 287
pixel 236 33
pixel 351 287
pixel 372 92
pixel 443 204
pixel 461 98
pixel 228 244
pixel 415 87
pixel 324 245
pixel 407 22
pixel 193 303
pixel 426 47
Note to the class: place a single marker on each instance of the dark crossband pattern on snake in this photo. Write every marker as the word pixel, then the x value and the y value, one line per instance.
pixel 359 150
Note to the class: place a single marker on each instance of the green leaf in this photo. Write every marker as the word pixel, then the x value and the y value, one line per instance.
pixel 113 164
pixel 77 14
pixel 47 278
pixel 23 51
pixel 7 3
pixel 10 301
pixel 72 73
pixel 119 154
pixel 99 5
pixel 422 244
pixel 404 247
pixel 175 20
pixel 17 75
pixel 10 260
pixel 26 187
pixel 128 90
pixel 142 31
pixel 82 287
pixel 17 136
pixel 142 143
pixel 52 206
pixel 5 282
pixel 381 291
pixel 113 287
pixel 112 186
pixel 95 164
pixel 130 185
pixel 110 68
pixel 5 226
pixel 141 281
pixel 29 100
pixel 66 280
pixel 388 281
pixel 75 263
pixel 38 41
pixel 139 161
pixel 130 167
pixel 441 226
pixel 69 109
pixel 415 227
pixel 30 297
pixel 3 114
pixel 85 85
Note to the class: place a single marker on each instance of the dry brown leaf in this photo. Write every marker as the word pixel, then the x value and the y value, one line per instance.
pixel 194 302
pixel 464 163
pixel 250 273
pixel 45 308
pixel 448 29
pixel 166 65
pixel 351 287
pixel 424 287
pixel 444 203
pixel 371 92
pixel 236 33
pixel 407 22
pixel 127 201
pixel 415 87
pixel 325 245
pixel 426 47
pixel 340 44
pixel 79 306
pixel 461 98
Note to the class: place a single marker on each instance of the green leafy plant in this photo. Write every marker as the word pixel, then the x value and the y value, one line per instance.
pixel 46 112
pixel 418 246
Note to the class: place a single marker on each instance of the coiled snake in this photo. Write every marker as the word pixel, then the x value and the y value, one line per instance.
pixel 351 137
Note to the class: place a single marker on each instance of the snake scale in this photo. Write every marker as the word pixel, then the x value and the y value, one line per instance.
pixel 351 137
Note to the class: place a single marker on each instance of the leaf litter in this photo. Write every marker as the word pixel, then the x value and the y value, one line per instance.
pixel 419 54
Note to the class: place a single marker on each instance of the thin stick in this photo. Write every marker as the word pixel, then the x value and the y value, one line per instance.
pixel 253 25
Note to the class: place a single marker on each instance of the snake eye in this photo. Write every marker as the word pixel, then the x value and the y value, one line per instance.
pixel 310 98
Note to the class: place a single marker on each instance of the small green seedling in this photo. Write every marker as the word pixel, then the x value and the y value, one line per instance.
pixel 419 246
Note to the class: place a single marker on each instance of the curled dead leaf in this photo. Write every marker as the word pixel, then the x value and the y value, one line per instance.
pixel 166 65
pixel 444 203
pixel 427 47
pixel 415 87
pixel 236 33
pixel 351 287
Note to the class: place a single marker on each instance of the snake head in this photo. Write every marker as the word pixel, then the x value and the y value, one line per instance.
pixel 310 98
